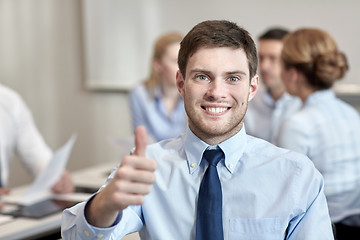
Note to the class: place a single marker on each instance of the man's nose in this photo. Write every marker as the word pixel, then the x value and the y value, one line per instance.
pixel 216 89
pixel 264 64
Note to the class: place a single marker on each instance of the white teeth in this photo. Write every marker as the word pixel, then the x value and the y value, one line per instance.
pixel 216 110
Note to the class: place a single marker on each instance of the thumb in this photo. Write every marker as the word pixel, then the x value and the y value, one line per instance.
pixel 140 141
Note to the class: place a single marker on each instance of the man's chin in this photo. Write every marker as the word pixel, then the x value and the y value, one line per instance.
pixel 218 130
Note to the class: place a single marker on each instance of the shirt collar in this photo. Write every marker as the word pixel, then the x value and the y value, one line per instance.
pixel 285 97
pixel 319 96
pixel 268 99
pixel 233 149
pixel 157 92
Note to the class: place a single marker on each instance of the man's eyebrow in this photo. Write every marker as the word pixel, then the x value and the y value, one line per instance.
pixel 236 72
pixel 199 70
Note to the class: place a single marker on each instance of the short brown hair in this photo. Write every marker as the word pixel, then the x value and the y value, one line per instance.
pixel 274 34
pixel 314 53
pixel 217 33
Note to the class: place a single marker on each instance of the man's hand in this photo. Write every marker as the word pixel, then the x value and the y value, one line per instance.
pixel 65 184
pixel 132 181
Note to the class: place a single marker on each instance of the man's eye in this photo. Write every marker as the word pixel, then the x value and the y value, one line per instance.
pixel 202 77
pixel 233 79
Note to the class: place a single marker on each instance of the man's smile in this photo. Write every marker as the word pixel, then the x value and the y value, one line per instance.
pixel 215 109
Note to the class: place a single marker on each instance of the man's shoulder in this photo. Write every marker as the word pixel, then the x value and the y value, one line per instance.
pixel 139 90
pixel 259 148
pixel 8 93
pixel 10 100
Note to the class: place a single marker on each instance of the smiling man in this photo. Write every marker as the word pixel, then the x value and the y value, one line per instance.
pixel 215 181
pixel 216 92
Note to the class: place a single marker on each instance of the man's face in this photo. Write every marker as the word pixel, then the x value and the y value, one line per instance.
pixel 270 62
pixel 216 92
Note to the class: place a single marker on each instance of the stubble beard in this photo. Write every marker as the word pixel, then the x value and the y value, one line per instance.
pixel 217 132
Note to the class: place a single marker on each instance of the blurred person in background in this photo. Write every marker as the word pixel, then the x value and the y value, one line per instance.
pixel 19 135
pixel 326 129
pixel 156 103
pixel 272 104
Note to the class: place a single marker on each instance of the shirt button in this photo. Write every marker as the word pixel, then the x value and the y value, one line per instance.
pixel 86 233
pixel 99 236
pixel 231 166
pixel 193 165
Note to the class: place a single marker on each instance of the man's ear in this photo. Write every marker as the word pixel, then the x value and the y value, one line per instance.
pixel 254 86
pixel 180 83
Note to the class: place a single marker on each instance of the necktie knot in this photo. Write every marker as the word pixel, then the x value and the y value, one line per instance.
pixel 213 156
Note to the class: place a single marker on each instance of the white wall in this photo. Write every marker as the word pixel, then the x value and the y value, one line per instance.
pixel 42 57
pixel 340 18
pixel 119 35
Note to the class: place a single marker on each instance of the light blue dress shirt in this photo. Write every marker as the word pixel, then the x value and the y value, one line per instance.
pixel 264 115
pixel 269 193
pixel 327 130
pixel 150 112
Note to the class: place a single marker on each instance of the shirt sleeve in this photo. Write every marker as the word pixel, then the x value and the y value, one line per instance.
pixel 314 223
pixel 29 144
pixel 74 225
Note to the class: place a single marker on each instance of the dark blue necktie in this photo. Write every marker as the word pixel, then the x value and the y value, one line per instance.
pixel 209 209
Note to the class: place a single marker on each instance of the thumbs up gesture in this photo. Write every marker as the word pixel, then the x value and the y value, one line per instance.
pixel 132 181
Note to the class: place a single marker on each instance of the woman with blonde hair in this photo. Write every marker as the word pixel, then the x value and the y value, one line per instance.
pixel 156 103
pixel 326 129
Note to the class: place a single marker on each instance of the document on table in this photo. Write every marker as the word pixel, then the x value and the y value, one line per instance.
pixel 5 219
pixel 41 186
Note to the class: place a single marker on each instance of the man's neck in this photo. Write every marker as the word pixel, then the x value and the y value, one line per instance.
pixel 213 139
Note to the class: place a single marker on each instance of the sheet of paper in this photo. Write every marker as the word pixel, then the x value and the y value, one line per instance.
pixel 41 186
pixel 5 219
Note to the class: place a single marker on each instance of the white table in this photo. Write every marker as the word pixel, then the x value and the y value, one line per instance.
pixel 27 228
